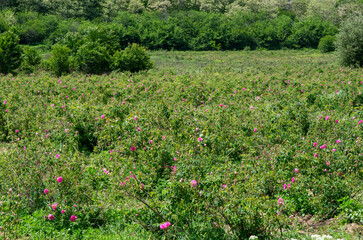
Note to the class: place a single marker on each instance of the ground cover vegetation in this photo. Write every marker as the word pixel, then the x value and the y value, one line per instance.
pixel 207 145
pixel 138 119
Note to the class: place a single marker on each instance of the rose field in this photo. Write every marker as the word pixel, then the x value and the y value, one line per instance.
pixel 205 145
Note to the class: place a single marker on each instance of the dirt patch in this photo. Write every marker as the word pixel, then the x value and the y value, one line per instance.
pixel 354 228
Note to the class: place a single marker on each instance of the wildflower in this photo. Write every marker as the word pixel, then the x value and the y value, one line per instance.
pixel 46 191
pixel 315 144
pixel 315 155
pixel 296 170
pixel 338 141
pixel 63 211
pixel 200 139
pixel 322 146
pixel 57 156
pixel 50 217
pixel 5 102
pixel 60 179
pixel 54 206
pixel 133 148
pixel 73 218
pixel 194 183
pixel 255 129
pixel 280 201
pixel 165 225
pixel 327 163
pixel 103 116
pixel 327 118
pixel 334 150
pixel 285 186
pixel 293 179
pixel 224 185
pixel 360 122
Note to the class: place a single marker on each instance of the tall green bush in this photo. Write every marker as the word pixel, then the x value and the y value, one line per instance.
pixel 59 62
pixel 93 58
pixel 326 44
pixel 134 58
pixel 349 41
pixel 31 59
pixel 10 52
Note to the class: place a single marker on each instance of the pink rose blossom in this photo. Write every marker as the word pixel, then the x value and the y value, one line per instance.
pixel 194 183
pixel 73 218
pixel 60 179
pixel 165 225
pixel 46 191
pixel 50 217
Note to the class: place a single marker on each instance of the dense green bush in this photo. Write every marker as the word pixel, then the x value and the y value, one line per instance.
pixel 3 24
pixel 10 52
pixel 349 43
pixel 31 59
pixel 308 32
pixel 60 62
pixel 134 58
pixel 93 58
pixel 34 31
pixel 326 44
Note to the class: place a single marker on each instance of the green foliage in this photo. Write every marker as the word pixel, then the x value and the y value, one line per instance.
pixel 3 24
pixel 326 44
pixel 308 32
pixel 349 43
pixel 35 30
pixel 134 59
pixel 92 57
pixel 31 59
pixel 10 52
pixel 60 62
pixel 129 145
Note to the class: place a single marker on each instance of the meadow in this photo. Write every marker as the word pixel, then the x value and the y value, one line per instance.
pixel 206 145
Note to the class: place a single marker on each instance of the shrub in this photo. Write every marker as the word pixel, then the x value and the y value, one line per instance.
pixel 93 58
pixel 59 62
pixel 326 44
pixel 308 32
pixel 349 42
pixel 134 58
pixel 3 24
pixel 36 30
pixel 10 52
pixel 31 59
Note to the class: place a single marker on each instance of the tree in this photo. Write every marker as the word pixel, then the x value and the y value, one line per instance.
pixel 349 42
pixel 325 9
pixel 10 52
